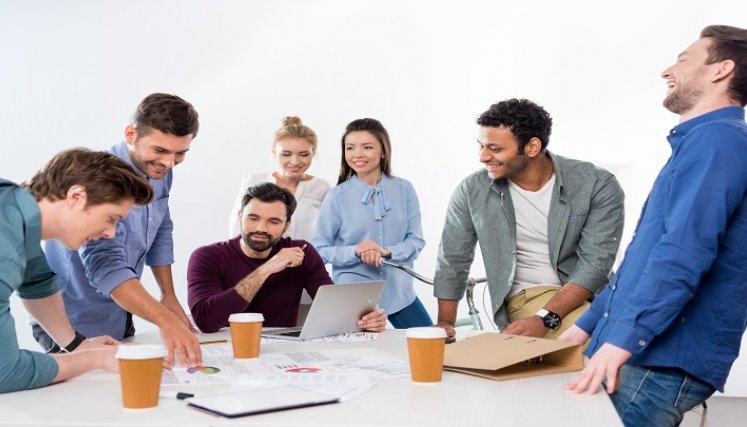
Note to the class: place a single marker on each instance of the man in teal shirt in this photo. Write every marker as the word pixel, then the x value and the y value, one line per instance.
pixel 78 196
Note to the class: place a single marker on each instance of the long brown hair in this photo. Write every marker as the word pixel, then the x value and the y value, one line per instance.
pixel 375 128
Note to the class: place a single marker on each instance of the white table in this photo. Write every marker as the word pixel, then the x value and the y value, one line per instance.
pixel 459 400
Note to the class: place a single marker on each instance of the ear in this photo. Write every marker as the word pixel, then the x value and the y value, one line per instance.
pixel 130 134
pixel 76 196
pixel 287 224
pixel 724 70
pixel 533 147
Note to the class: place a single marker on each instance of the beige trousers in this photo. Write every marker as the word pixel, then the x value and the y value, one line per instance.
pixel 527 302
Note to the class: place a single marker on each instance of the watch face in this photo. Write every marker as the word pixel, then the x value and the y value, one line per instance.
pixel 551 320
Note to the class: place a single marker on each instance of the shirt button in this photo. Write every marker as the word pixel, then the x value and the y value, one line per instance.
pixel 641 343
pixel 606 314
pixel 614 287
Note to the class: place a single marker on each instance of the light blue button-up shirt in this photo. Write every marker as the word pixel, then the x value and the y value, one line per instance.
pixel 23 269
pixel 388 214
pixel 88 276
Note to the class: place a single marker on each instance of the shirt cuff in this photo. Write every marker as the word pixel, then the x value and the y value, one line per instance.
pixel 593 281
pixel 159 259
pixel 111 280
pixel 629 337
pixel 448 292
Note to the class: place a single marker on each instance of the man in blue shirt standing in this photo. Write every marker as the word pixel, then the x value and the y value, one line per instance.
pixel 100 282
pixel 666 330
pixel 78 196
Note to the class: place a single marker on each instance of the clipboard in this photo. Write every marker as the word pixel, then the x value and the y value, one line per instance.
pixel 505 357
pixel 260 401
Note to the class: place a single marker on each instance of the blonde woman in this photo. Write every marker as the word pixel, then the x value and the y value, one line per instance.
pixel 294 147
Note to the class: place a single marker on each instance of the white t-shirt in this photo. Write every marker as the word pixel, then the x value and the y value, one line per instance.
pixel 533 266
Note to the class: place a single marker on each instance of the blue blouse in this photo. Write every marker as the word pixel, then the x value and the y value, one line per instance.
pixel 388 214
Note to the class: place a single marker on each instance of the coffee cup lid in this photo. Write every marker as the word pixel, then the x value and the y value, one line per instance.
pixel 246 317
pixel 427 332
pixel 140 351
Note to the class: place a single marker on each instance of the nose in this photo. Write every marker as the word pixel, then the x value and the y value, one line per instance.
pixel 484 154
pixel 169 161
pixel 110 231
pixel 667 72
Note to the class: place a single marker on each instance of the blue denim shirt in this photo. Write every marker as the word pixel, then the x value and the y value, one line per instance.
pixel 679 298
pixel 88 276
pixel 584 228
pixel 388 214
pixel 23 269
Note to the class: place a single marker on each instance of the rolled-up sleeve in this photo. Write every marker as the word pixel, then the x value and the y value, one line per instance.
pixel 106 264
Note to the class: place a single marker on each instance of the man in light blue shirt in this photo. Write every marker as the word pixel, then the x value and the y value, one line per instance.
pixel 101 282
pixel 78 197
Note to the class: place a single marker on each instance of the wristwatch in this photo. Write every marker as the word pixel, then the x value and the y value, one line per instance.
pixel 550 319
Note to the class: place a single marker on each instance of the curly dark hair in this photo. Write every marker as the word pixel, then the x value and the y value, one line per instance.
pixel 526 120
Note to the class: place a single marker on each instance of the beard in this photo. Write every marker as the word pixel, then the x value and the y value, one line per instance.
pixel 684 97
pixel 259 246
pixel 682 100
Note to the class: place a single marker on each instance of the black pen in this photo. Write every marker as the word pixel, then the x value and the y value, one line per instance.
pixel 178 395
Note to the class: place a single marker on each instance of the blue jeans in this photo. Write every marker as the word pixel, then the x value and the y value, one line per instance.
pixel 411 316
pixel 657 396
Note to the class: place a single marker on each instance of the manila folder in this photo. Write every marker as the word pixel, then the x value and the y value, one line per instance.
pixel 505 357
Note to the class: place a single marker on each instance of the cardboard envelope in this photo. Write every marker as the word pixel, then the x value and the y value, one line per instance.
pixel 505 357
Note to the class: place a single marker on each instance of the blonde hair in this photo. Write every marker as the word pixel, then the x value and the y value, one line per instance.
pixel 294 128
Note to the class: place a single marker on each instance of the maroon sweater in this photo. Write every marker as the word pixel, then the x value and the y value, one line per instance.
pixel 215 269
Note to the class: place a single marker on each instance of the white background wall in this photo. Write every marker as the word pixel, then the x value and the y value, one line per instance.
pixel 72 72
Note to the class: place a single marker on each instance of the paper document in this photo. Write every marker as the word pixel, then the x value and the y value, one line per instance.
pixel 348 337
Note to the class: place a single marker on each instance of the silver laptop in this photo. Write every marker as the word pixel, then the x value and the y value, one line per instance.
pixel 335 310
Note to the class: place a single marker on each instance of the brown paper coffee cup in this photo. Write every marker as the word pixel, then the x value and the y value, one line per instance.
pixel 426 349
pixel 246 331
pixel 140 369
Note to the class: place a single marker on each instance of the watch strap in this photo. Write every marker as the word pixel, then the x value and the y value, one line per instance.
pixel 79 338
